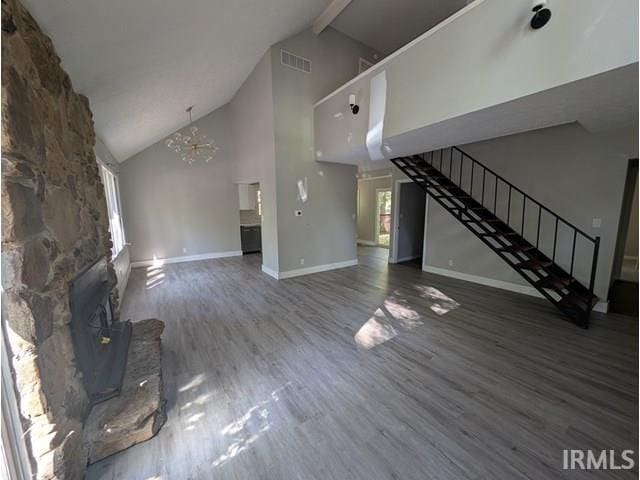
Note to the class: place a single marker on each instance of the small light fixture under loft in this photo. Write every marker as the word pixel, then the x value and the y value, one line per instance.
pixel 193 146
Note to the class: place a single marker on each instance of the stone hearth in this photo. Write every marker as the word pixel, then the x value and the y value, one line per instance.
pixel 54 224
pixel 138 412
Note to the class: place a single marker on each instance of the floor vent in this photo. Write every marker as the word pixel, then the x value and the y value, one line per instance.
pixel 294 61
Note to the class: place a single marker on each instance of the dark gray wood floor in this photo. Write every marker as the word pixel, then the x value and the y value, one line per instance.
pixel 374 372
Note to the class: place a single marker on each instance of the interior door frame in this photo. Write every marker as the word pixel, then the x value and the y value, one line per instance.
pixel 395 221
pixel 631 176
pixel 376 233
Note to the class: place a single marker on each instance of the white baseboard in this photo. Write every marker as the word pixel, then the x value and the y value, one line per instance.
pixel 298 272
pixel 602 307
pixel 186 258
pixel 406 259
pixel 271 273
pixel 368 243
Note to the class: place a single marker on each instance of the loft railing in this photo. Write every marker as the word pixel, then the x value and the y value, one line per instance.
pixel 467 172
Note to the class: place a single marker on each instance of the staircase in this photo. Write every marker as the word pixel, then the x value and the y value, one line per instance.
pixel 553 255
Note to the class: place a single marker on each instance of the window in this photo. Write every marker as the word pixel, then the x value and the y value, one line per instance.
pixel 112 192
pixel 383 216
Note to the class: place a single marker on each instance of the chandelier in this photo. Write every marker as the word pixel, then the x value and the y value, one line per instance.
pixel 192 146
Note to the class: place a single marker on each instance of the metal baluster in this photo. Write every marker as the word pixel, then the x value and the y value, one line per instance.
pixel 473 162
pixel 461 160
pixel 555 241
pixel 538 234
pixel 524 205
pixel 431 158
pixel 495 196
pixel 573 252
pixel 441 160
pixel 509 207
pixel 484 174
pixel 592 280
pixel 450 162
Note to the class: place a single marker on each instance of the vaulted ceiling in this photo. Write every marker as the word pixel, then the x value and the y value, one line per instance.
pixel 387 25
pixel 142 62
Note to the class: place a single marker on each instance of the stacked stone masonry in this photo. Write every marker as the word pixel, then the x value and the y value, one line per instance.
pixel 54 223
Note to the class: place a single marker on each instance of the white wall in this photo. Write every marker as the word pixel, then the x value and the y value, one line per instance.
pixel 252 118
pixel 486 56
pixel 172 209
pixel 578 175
pixel 266 136
pixel 326 231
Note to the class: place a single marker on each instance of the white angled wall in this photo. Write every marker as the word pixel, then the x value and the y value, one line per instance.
pixel 483 56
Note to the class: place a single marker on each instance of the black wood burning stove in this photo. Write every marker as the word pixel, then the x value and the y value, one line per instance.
pixel 100 343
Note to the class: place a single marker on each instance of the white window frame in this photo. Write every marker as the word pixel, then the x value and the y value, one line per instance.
pixel 114 209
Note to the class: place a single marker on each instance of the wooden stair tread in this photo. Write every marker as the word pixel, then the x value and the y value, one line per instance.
pixel 577 300
pixel 517 248
pixel 498 234
pixel 574 298
pixel 554 282
pixel 533 264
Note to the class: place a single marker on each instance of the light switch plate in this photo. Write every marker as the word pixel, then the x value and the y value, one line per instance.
pixel 597 223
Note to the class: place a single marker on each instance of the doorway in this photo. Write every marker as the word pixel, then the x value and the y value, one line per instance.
pixel 250 202
pixel 409 222
pixel 623 293
pixel 383 217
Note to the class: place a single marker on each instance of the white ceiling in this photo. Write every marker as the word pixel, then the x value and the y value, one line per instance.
pixel 142 62
pixel 387 25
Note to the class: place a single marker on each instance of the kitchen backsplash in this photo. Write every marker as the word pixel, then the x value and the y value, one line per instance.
pixel 249 217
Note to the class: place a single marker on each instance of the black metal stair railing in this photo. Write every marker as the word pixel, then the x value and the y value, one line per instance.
pixel 499 213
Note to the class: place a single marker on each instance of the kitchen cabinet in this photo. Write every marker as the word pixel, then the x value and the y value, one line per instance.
pixel 251 238
pixel 247 196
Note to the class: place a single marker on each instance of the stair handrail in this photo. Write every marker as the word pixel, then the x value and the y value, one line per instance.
pixel 526 197
pixel 504 180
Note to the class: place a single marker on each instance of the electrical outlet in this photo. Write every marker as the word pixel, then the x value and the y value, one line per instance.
pixel 184 250
pixel 451 263
pixel 302 261
pixel 596 223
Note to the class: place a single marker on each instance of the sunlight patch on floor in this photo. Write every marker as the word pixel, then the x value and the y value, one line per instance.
pixel 375 331
pixel 195 381
pixel 248 428
pixel 440 303
pixel 400 310
pixel 201 400
pixel 155 275
pixel 397 313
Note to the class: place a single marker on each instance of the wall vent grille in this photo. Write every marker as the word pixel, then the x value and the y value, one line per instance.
pixel 294 61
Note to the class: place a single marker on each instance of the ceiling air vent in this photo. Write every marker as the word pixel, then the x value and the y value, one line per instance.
pixel 294 61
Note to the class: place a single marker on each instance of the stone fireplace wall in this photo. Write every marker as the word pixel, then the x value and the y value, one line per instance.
pixel 54 223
